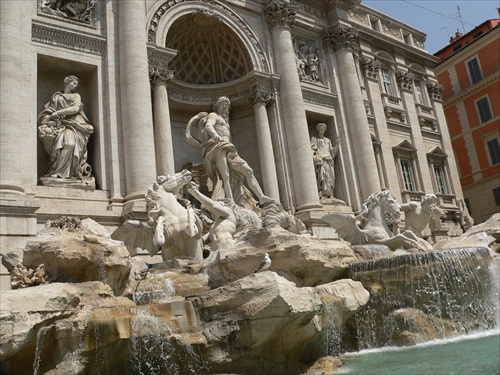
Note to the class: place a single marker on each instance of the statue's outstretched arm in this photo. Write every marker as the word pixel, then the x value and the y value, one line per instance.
pixel 215 208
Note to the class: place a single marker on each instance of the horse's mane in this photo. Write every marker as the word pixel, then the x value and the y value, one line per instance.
pixel 371 202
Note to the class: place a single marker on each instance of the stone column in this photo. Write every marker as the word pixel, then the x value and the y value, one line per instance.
pixel 137 116
pixel 161 116
pixel 281 16
pixel 344 41
pixel 260 100
pixel 406 88
pixel 11 61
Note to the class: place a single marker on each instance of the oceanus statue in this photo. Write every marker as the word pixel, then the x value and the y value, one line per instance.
pixel 374 228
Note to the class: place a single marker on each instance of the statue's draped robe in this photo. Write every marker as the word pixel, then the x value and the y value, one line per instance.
pixel 211 150
pixel 325 172
pixel 67 143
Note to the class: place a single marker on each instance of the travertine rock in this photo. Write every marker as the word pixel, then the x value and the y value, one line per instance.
pixel 262 318
pixel 86 253
pixel 413 326
pixel 486 234
pixel 325 366
pixel 52 316
pixel 352 292
pixel 303 259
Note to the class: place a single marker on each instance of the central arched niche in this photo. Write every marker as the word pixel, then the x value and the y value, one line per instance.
pixel 210 55
pixel 209 52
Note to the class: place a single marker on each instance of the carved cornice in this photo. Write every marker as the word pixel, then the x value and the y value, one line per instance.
pixel 319 98
pixel 159 75
pixel 405 80
pixel 435 91
pixel 341 37
pixel 214 5
pixel 260 96
pixel 280 13
pixel 371 68
pixel 76 41
pixel 344 4
pixel 160 57
pixel 240 88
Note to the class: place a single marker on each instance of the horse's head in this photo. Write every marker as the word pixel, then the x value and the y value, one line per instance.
pixel 174 182
pixel 388 202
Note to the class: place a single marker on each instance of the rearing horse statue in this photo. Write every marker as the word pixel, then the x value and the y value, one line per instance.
pixel 174 229
pixel 374 228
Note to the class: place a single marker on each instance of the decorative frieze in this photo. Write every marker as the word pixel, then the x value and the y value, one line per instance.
pixel 435 91
pixel 357 16
pixel 390 29
pixel 81 12
pixel 371 68
pixel 318 98
pixel 405 80
pixel 160 57
pixel 280 13
pixel 342 37
pixel 86 43
pixel 308 61
pixel 209 94
pixel 312 8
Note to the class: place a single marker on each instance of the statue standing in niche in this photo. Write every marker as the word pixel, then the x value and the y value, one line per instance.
pixel 64 130
pixel 324 154
pixel 226 169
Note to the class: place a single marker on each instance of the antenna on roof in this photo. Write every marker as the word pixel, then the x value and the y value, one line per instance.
pixel 447 32
pixel 460 16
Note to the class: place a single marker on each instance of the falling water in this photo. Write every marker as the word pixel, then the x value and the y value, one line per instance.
pixel 40 336
pixel 452 288
pixel 160 289
pixel 154 350
pixel 100 266
pixel 332 330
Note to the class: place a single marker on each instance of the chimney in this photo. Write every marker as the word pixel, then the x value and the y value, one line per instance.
pixel 458 35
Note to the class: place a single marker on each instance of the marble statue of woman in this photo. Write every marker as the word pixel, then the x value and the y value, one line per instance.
pixel 64 130
pixel 324 154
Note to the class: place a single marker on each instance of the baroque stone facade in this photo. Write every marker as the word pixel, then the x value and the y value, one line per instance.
pixel 146 67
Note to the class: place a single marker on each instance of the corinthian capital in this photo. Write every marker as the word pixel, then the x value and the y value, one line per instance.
pixel 435 90
pixel 159 75
pixel 259 96
pixel 371 68
pixel 405 80
pixel 280 13
pixel 341 37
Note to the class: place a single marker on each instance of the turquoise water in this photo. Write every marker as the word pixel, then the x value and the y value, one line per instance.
pixel 474 354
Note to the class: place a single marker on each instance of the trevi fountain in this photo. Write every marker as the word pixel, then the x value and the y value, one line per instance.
pixel 323 232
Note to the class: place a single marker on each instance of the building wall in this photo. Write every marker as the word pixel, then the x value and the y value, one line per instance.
pixel 478 175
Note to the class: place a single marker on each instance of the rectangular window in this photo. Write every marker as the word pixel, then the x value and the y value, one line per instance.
pixel 440 182
pixel 478 34
pixel 496 194
pixel 494 150
pixel 474 71
pixel 387 82
pixel 457 47
pixel 483 107
pixel 374 24
pixel 420 93
pixel 407 175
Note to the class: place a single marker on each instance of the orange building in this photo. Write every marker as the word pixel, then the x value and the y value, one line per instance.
pixel 469 70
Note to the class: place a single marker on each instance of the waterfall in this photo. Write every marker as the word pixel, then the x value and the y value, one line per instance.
pixel 40 336
pixel 416 297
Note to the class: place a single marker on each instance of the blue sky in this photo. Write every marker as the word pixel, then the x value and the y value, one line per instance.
pixel 439 19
